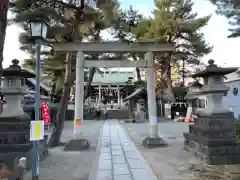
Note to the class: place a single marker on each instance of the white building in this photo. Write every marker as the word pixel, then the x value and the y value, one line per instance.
pixel 231 100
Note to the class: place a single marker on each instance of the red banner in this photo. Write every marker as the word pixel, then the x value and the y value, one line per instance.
pixel 45 114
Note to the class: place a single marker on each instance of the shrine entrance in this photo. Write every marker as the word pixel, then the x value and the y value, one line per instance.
pixel 116 47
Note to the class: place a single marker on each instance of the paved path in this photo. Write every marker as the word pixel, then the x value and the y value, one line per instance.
pixel 118 157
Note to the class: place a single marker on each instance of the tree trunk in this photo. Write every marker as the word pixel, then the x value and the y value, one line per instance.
pixel 88 87
pixel 168 77
pixel 138 74
pixel 61 113
pixel 3 27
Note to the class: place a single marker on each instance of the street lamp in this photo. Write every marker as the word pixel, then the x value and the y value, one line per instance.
pixel 38 30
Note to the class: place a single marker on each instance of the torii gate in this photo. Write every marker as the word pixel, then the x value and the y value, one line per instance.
pixel 111 47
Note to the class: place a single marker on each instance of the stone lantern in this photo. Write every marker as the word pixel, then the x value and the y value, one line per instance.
pixel 212 137
pixel 141 110
pixel 14 122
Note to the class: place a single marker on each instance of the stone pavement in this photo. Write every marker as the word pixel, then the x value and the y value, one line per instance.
pixel 118 157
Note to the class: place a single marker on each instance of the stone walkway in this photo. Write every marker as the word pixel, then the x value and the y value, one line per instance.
pixel 118 157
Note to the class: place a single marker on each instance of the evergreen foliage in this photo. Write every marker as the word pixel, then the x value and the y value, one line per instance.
pixel 174 22
pixel 68 22
pixel 231 10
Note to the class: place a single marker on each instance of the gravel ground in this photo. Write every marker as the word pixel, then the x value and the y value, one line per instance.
pixel 169 163
pixel 60 165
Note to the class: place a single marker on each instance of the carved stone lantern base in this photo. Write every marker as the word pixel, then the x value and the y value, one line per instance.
pixel 212 138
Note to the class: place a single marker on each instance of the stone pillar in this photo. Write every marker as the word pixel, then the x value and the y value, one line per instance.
pixel 99 94
pixel 153 140
pixel 118 95
pixel 152 109
pixel 79 91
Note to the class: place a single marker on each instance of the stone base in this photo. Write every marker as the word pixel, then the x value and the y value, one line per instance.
pixel 212 139
pixel 153 142
pixel 221 153
pixel 228 159
pixel 77 145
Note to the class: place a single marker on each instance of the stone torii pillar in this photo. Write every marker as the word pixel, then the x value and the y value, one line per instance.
pixel 79 92
pixel 153 140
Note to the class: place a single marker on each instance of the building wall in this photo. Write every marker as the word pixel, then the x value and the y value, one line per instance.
pixel 232 98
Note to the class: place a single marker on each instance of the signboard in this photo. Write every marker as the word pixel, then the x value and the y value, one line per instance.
pixel 45 114
pixel 37 130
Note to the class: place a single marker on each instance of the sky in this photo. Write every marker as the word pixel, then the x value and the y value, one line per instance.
pixel 225 51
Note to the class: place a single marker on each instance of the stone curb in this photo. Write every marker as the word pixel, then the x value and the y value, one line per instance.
pixel 93 172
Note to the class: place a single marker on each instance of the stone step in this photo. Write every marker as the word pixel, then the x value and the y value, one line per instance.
pixel 214 159
pixel 214 133
pixel 227 141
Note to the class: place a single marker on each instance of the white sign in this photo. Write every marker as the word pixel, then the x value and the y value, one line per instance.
pixel 37 130
pixel 154 120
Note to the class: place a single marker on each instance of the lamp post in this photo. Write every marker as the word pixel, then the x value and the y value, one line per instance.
pixel 38 29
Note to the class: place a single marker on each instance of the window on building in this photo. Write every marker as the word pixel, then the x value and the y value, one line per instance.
pixel 201 103
pixel 194 103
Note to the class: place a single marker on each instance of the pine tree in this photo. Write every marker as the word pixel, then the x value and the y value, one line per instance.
pixel 68 22
pixel 124 31
pixel 231 10
pixel 174 22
